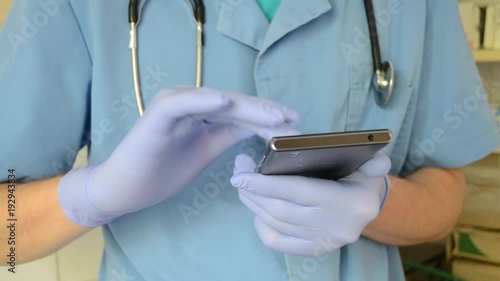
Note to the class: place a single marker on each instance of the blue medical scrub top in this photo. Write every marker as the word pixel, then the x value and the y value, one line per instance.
pixel 65 76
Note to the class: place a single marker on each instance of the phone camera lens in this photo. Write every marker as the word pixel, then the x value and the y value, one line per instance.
pixel 371 137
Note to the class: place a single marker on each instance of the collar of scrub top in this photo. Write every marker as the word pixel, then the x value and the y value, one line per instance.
pixel 383 72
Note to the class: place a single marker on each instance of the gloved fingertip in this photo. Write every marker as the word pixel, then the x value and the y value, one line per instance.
pixel 379 165
pixel 240 182
pixel 244 164
pixel 217 102
pixel 236 181
pixel 266 134
pixel 215 97
pixel 278 122
pixel 284 116
pixel 225 101
pixel 292 117
pixel 285 130
pixel 385 163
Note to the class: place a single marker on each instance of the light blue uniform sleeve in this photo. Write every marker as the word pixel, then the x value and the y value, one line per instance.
pixel 45 74
pixel 453 123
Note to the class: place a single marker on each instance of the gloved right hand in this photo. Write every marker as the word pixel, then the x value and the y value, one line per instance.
pixel 180 134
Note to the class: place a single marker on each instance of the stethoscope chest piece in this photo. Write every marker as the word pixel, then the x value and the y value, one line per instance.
pixel 383 84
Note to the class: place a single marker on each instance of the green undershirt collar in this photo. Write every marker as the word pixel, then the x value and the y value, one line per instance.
pixel 270 7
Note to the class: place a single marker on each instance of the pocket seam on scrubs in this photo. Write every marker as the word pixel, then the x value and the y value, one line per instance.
pixel 364 114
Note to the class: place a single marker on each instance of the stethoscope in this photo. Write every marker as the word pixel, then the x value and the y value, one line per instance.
pixel 382 80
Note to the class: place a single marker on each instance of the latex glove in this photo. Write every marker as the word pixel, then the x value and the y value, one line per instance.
pixel 180 134
pixel 308 216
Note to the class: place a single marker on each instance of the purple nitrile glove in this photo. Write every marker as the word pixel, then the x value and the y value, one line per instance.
pixel 309 216
pixel 180 134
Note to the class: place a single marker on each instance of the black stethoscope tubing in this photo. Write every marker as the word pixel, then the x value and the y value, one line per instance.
pixel 383 76
pixel 375 45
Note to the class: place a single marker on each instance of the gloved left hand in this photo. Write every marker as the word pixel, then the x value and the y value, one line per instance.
pixel 309 216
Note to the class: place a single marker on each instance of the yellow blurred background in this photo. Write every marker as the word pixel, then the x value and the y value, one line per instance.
pixel 4 9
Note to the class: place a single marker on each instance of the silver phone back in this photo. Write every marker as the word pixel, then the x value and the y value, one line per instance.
pixel 322 157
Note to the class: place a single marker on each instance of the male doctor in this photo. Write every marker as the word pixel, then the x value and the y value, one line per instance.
pixel 175 190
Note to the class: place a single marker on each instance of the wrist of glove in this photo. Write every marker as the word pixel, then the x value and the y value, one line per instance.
pixel 74 199
pixel 309 216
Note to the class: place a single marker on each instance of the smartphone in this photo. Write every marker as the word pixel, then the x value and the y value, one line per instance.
pixel 331 156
